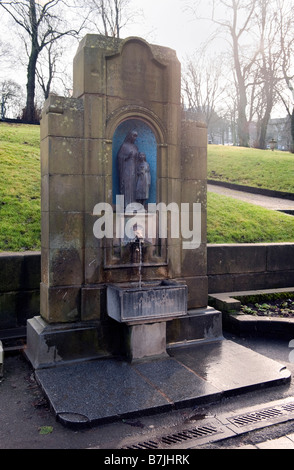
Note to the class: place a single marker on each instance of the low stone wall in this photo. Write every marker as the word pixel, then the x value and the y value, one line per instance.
pixel 239 267
pixel 230 268
pixel 19 288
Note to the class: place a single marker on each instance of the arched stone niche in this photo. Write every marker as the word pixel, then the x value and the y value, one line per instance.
pixel 146 143
pixel 151 141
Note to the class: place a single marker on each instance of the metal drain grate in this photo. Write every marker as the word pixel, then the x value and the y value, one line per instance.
pixel 268 413
pixel 176 438
pixel 143 445
pixel 249 418
pixel 288 407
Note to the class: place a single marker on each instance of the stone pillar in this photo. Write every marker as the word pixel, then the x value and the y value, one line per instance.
pixel 62 209
pixel 194 190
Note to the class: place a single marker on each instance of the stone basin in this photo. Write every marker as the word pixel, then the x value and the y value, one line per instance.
pixel 152 302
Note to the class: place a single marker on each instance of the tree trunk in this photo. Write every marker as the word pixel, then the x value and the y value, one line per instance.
pixel 243 132
pixel 263 130
pixel 31 70
pixel 31 84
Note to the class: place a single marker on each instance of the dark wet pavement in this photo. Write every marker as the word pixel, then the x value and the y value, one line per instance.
pixel 24 411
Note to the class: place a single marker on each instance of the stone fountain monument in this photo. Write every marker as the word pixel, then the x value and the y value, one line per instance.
pixel 124 276
pixel 123 182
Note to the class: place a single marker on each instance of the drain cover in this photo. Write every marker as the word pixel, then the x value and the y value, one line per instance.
pixel 217 428
pixel 263 414
pixel 176 438
pixel 254 417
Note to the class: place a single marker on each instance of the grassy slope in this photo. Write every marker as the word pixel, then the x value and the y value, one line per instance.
pixel 252 167
pixel 229 221
pixel 19 187
pixel 233 221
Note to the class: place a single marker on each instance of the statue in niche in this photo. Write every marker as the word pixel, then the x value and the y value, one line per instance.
pixel 134 171
pixel 127 167
pixel 143 179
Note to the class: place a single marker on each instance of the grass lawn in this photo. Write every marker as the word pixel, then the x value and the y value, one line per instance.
pixel 252 167
pixel 19 187
pixel 229 220
pixel 232 221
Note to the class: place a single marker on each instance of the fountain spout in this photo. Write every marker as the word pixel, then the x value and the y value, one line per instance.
pixel 139 241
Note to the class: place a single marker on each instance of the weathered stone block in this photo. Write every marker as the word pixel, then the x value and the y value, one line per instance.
pixel 94 124
pixel 98 157
pixel 16 307
pixel 194 261
pixel 66 156
pixel 19 271
pixel 97 189
pixel 62 229
pixel 147 340
pixel 236 258
pixel 62 266
pixel 173 123
pixel 193 191
pixel 197 291
pixel 51 345
pixel 93 303
pixel 62 117
pixel 280 256
pixel 60 304
pixel 124 72
pixel 66 193
pixel 94 260
pixel 200 324
pixel 89 63
pixel 174 163
pixel 194 133
pixel 194 163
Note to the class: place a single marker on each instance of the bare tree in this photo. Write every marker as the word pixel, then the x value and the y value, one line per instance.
pixel 109 17
pixel 260 37
pixel 43 24
pixel 285 19
pixel 266 76
pixel 237 24
pixel 201 85
pixel 45 72
pixel 11 94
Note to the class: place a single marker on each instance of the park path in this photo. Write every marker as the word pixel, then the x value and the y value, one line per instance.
pixel 274 203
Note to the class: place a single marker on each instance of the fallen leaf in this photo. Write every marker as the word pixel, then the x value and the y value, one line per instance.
pixel 45 430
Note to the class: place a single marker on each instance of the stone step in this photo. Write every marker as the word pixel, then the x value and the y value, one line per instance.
pixel 203 324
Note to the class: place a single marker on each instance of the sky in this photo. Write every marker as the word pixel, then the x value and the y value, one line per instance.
pixel 168 23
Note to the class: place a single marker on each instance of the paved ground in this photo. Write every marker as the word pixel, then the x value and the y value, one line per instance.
pixel 27 423
pixel 273 203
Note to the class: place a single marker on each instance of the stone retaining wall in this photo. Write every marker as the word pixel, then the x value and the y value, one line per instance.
pixel 241 267
pixel 19 288
pixel 230 268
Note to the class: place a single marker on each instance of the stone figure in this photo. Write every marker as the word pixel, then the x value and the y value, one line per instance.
pixel 143 179
pixel 127 166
